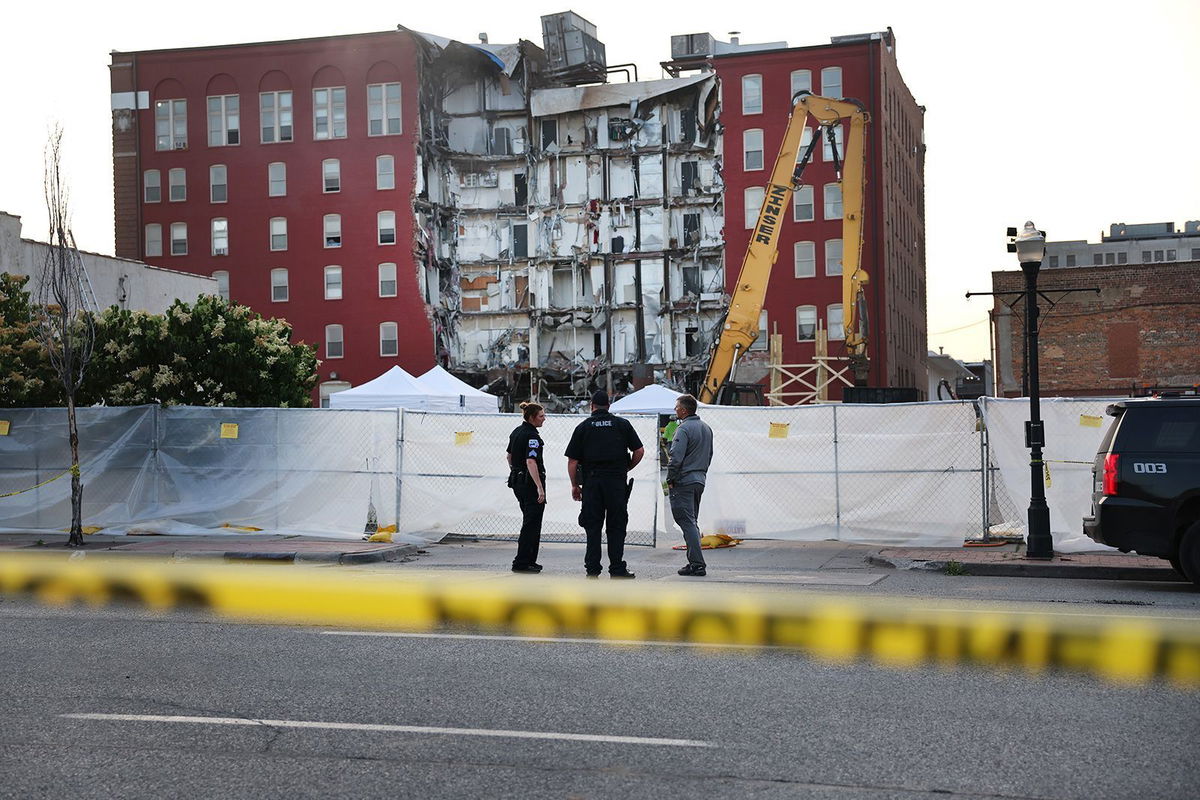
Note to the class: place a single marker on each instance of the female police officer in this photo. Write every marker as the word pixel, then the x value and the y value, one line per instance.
pixel 527 477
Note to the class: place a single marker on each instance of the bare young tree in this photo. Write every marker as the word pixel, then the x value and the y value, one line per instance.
pixel 64 313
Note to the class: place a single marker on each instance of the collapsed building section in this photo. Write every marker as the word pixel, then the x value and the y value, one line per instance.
pixel 571 237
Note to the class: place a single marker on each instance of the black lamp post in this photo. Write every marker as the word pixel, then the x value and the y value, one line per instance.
pixel 1031 248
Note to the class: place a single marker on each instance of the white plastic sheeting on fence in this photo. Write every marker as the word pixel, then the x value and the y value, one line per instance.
pixel 891 474
pixel 453 477
pixel 1074 428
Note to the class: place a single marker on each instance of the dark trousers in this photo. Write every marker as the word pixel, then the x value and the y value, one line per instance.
pixel 685 508
pixel 605 501
pixel 531 523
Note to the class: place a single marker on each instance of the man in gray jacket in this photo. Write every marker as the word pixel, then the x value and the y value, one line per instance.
pixel 691 453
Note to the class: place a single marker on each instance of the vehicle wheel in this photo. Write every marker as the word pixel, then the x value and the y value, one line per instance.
pixel 1189 554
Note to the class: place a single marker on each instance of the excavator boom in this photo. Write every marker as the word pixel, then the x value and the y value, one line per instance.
pixel 740 326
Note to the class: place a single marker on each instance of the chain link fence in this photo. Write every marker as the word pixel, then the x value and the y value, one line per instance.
pixel 922 474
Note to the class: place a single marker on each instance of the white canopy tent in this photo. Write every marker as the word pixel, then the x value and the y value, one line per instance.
pixel 439 382
pixel 393 389
pixel 652 399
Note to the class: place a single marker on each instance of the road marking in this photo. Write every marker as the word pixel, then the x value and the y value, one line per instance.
pixel 376 728
pixel 551 639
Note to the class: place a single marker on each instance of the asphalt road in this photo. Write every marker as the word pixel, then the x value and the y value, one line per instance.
pixel 501 717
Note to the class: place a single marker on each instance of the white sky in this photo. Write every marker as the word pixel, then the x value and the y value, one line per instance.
pixel 1073 114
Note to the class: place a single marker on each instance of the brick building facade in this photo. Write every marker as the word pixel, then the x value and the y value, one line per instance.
pixel 1140 333
pixel 806 286
pixel 286 170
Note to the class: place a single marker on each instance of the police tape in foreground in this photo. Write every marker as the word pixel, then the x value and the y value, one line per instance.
pixel 1122 649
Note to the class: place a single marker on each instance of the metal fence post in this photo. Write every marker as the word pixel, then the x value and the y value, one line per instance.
pixel 398 481
pixel 837 477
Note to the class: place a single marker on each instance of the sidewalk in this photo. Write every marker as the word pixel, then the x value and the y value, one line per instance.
pixel 755 561
pixel 276 548
pixel 1009 561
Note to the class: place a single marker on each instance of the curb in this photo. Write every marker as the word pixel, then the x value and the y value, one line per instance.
pixel 1033 569
pixel 395 553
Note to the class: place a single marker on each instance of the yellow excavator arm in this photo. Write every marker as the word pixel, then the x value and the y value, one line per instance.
pixel 740 326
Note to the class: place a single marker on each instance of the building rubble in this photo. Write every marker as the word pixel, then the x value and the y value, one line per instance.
pixel 570 237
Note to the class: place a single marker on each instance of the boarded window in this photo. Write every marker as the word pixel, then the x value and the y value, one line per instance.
pixel 1123 361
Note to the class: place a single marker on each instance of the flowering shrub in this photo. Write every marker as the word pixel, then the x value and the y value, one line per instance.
pixel 26 378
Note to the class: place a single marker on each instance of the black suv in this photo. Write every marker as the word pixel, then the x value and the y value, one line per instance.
pixel 1146 482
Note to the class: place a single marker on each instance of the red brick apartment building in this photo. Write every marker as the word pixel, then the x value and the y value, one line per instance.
pixel 805 285
pixel 286 170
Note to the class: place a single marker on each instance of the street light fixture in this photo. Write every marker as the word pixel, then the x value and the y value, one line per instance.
pixel 1030 247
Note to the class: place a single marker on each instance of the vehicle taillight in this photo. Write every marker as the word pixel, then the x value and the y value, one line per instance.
pixel 1110 474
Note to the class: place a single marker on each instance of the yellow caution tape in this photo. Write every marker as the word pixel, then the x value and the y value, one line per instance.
pixel 1116 648
pixel 35 486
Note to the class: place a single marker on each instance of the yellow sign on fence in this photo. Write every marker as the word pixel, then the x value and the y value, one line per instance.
pixel 463 437
pixel 779 430
pixel 1090 421
pixel 229 430
pixel 4 427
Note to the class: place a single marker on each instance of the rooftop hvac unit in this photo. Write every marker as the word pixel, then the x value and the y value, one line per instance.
pixel 692 45
pixel 570 41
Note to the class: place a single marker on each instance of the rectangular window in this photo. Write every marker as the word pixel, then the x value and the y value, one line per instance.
pixel 763 340
pixel 179 238
pixel 218 186
pixel 549 132
pixel 275 116
pixel 1170 255
pixel 520 238
pixel 170 125
pixel 329 113
pixel 279 285
pixel 832 195
pixel 223 120
pixel 1070 259
pixel 1122 258
pixel 386 225
pixel 801 81
pixel 279 239
pixel 691 229
pixel 1097 258
pixel 500 142
pixel 389 344
pixel 151 186
pixel 1195 254
pixel 806 323
pixel 177 183
pixel 385 172
pixel 333 283
pixel 831 85
pixel 1053 261
pixel 753 197
pixel 222 277
pixel 383 109
pixel 805 254
pixel 689 179
pixel 752 94
pixel 833 322
pixel 387 280
pixel 153 240
pixel 1145 256
pixel 802 205
pixel 331 175
pixel 333 230
pixel 220 237
pixel 277 179
pixel 333 341
pixel 833 257
pixel 806 137
pixel 839 139
pixel 1158 255
pixel 752 149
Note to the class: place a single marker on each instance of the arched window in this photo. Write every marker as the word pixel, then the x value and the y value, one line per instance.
pixel 152 186
pixel 331 175
pixel 279 285
pixel 832 195
pixel 831 82
pixel 222 277
pixel 752 149
pixel 806 323
pixel 833 257
pixel 334 345
pixel 387 227
pixel 387 280
pixel 333 283
pixel 806 259
pixel 279 233
pixel 333 230
pixel 389 344
pixel 752 94
pixel 833 322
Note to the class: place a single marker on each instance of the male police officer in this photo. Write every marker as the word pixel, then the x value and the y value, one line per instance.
pixel 598 459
